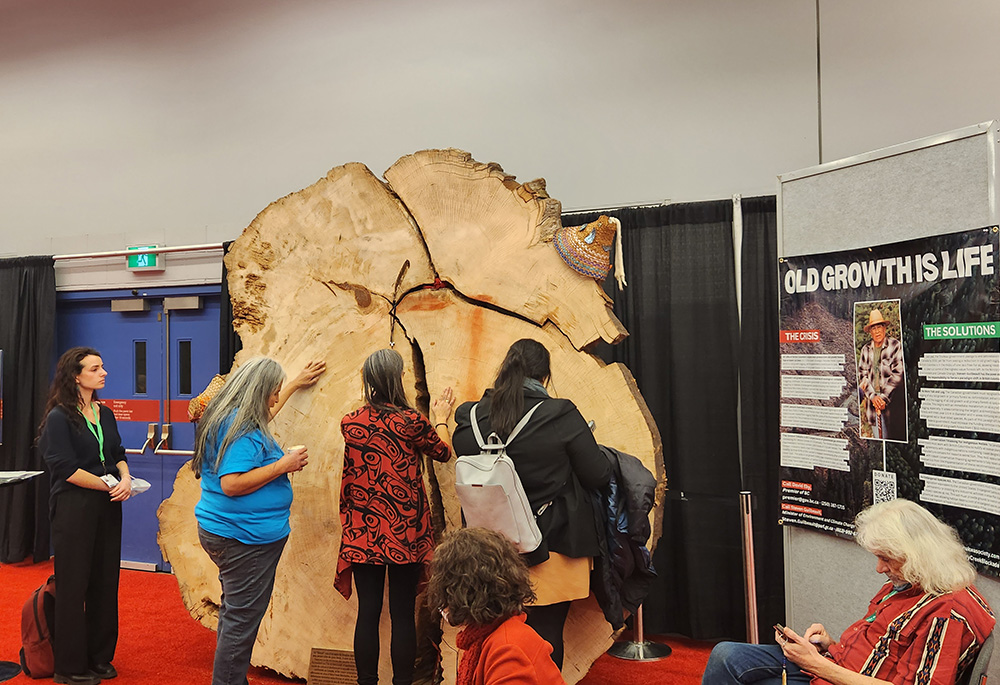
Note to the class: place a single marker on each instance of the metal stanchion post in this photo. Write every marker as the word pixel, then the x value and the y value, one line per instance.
pixel 639 649
pixel 749 576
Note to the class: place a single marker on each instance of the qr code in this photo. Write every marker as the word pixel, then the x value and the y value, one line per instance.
pixel 883 486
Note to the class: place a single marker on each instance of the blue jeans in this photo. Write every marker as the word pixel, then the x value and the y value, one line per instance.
pixel 247 576
pixel 737 663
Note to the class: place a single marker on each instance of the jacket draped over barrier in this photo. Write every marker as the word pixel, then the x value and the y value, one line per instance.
pixel 624 572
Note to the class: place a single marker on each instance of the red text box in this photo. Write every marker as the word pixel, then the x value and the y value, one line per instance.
pixel 179 411
pixel 796 485
pixel 799 336
pixel 800 509
pixel 145 411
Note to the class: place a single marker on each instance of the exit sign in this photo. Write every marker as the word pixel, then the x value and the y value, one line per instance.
pixel 145 262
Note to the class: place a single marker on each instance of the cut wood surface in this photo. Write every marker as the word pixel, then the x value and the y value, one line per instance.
pixel 343 268
pixel 468 361
pixel 486 233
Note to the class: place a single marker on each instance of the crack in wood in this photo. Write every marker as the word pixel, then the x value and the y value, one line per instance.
pixel 362 295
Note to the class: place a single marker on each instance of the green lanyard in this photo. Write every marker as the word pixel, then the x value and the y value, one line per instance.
pixel 901 588
pixel 98 432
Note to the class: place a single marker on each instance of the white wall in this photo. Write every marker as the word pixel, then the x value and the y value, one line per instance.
pixel 124 121
pixel 130 121
pixel 897 70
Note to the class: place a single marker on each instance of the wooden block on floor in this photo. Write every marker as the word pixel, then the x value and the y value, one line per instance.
pixel 331 667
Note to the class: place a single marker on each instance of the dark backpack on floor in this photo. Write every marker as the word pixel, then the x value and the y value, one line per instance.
pixel 38 620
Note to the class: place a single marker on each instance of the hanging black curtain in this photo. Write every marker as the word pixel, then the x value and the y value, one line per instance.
pixel 680 310
pixel 229 340
pixel 27 336
pixel 686 353
pixel 759 395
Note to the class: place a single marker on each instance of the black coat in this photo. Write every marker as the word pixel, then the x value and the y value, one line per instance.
pixel 66 447
pixel 557 459
pixel 623 576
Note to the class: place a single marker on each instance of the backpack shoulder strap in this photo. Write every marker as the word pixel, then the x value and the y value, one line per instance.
pixel 475 426
pixel 522 423
pixel 513 434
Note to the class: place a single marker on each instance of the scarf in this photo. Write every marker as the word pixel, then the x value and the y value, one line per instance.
pixel 470 641
pixel 532 384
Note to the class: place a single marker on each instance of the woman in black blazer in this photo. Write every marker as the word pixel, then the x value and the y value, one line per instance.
pixel 90 479
pixel 557 460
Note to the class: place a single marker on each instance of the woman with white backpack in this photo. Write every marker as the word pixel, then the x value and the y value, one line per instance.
pixel 558 461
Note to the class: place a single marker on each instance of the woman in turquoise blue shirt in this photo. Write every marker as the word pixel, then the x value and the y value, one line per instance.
pixel 246 498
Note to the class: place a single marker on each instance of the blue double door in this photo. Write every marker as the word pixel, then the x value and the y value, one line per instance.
pixel 160 348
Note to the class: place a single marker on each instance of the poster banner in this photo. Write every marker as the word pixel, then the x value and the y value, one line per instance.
pixel 890 385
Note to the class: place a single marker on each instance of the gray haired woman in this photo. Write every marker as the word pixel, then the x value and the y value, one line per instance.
pixel 384 512
pixel 245 502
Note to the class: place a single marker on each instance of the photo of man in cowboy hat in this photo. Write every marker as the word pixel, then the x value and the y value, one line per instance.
pixel 881 374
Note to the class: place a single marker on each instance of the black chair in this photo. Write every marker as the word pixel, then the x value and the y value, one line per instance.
pixel 976 674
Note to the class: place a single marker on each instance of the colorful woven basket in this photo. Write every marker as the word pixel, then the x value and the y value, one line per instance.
pixel 587 248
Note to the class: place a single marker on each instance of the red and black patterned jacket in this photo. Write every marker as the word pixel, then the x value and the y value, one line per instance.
pixel 383 506
pixel 916 637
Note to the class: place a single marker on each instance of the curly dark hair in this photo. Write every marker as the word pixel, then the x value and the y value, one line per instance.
pixel 63 392
pixel 478 576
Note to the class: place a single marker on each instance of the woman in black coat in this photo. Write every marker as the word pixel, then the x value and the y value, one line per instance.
pixel 89 481
pixel 557 460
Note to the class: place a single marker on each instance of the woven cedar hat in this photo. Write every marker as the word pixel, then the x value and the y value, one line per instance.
pixel 587 248
pixel 874 319
pixel 196 407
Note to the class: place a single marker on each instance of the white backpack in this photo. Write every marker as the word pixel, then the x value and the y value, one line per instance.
pixel 490 491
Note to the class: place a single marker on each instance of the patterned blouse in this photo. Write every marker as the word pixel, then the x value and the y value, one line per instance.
pixel 916 637
pixel 383 506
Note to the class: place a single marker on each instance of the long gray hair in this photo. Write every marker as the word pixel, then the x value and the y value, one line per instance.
pixel 245 397
pixel 933 556
pixel 382 374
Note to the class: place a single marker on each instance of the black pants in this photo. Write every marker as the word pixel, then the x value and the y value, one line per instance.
pixel 548 621
pixel 87 539
pixel 369 581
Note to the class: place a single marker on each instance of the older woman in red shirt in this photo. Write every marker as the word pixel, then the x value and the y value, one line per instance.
pixel 384 511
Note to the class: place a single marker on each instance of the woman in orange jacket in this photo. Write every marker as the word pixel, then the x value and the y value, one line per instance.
pixel 479 581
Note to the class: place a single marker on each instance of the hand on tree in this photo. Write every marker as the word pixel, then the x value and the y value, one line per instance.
pixel 442 406
pixel 309 375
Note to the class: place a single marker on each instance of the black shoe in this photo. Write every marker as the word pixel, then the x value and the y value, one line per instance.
pixel 87 678
pixel 104 671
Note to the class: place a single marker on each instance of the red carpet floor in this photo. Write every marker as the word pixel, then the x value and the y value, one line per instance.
pixel 161 644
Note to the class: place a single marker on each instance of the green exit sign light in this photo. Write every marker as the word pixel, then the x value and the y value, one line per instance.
pixel 149 261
